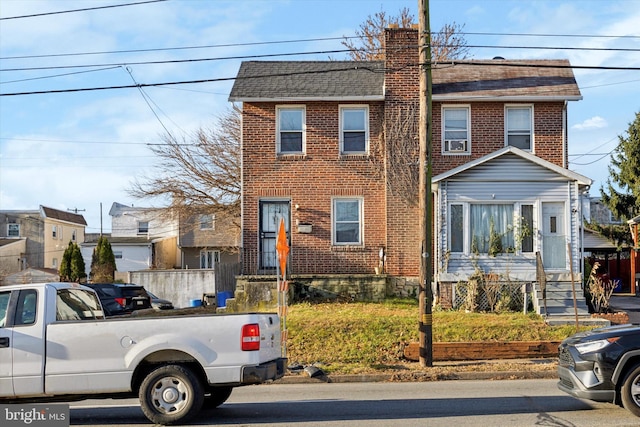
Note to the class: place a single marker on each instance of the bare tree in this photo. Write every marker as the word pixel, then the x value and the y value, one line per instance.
pixel 200 174
pixel 448 43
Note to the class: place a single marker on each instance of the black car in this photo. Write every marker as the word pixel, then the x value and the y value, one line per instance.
pixel 603 365
pixel 121 298
pixel 160 303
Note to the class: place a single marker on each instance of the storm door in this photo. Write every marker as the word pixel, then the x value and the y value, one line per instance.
pixel 270 214
pixel 554 238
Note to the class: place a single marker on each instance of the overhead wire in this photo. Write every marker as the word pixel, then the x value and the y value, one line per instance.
pixel 34 15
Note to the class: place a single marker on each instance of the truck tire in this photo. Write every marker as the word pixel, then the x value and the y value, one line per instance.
pixel 171 393
pixel 631 391
pixel 216 396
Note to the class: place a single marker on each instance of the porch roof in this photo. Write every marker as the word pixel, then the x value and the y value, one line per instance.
pixel 570 175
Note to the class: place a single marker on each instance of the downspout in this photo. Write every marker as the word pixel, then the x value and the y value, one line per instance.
pixel 565 157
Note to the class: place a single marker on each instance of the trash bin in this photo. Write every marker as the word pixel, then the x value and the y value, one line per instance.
pixel 195 303
pixel 222 298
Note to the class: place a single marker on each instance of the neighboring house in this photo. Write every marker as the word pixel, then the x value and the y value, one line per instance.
pixel 209 241
pixel 321 149
pixel 40 237
pixel 141 238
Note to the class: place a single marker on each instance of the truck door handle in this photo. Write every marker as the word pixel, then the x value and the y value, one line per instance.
pixel 4 342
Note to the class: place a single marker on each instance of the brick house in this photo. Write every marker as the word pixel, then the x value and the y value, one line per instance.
pixel 320 148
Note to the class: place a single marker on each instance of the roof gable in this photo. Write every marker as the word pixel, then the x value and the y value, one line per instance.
pixel 506 151
pixel 62 215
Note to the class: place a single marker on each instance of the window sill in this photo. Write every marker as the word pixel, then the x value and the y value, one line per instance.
pixel 354 156
pixel 348 248
pixel 292 156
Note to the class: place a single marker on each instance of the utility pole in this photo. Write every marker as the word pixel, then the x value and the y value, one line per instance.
pixel 426 226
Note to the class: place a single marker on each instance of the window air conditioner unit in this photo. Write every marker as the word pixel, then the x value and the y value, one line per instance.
pixel 456 145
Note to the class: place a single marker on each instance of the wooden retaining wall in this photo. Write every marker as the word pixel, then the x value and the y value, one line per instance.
pixel 456 351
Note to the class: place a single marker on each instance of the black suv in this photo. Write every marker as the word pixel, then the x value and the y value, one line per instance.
pixel 603 365
pixel 121 298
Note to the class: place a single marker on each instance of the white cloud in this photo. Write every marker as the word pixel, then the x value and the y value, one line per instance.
pixel 595 122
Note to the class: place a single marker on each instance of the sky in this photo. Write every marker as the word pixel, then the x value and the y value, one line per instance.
pixel 82 150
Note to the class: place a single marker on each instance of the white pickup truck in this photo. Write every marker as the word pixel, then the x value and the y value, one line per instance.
pixel 56 345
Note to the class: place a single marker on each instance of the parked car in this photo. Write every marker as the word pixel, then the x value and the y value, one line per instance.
pixel 603 365
pixel 121 298
pixel 160 303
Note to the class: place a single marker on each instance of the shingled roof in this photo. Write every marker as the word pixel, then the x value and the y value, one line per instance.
pixel 544 79
pixel 62 215
pixel 308 80
pixel 532 79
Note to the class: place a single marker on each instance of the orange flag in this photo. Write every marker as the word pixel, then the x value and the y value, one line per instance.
pixel 282 247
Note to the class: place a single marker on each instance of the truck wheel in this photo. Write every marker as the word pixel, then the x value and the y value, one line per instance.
pixel 216 396
pixel 171 393
pixel 631 392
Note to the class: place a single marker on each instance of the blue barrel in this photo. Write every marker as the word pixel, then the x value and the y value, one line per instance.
pixel 195 303
pixel 222 298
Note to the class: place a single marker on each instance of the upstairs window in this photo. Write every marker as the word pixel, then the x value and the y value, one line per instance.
pixel 347 221
pixel 54 231
pixel 206 222
pixel 143 227
pixel 73 235
pixel 354 125
pixel 13 230
pixel 519 127
pixel 455 130
pixel 291 130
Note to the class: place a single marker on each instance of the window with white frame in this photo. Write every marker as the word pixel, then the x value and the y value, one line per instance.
pixel 347 221
pixel 519 126
pixel 143 227
pixel 13 230
pixel 290 128
pixel 209 258
pixel 455 129
pixel 207 222
pixel 491 228
pixel 54 231
pixel 117 254
pixel 354 129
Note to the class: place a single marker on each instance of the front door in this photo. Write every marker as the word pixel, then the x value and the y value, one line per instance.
pixel 270 214
pixel 554 238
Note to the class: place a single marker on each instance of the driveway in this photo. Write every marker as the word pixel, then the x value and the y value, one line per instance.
pixel 628 303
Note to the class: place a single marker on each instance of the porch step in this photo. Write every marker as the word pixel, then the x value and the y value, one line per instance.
pixel 559 301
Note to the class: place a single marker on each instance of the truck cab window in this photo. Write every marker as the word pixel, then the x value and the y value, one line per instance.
pixel 77 304
pixel 4 305
pixel 27 306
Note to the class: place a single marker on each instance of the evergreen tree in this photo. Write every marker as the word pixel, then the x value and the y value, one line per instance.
pixel 103 262
pixel 65 264
pixel 622 195
pixel 77 265
pixel 72 265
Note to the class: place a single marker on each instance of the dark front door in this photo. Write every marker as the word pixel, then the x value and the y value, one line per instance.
pixel 270 214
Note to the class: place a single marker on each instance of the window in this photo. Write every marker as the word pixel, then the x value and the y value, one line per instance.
pixel 27 307
pixel 143 227
pixel 347 221
pixel 77 304
pixel 207 222
pixel 519 127
pixel 54 231
pixel 209 259
pixel 491 228
pixel 4 307
pixel 73 235
pixel 526 228
pixel 13 230
pixel 54 263
pixel 455 130
pixel 290 128
pixel 354 125
pixel 117 254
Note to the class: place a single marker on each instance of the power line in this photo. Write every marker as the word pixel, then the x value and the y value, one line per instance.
pixel 81 10
pixel 349 68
